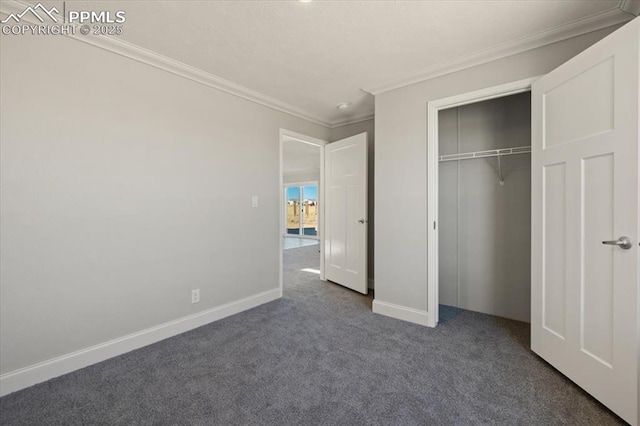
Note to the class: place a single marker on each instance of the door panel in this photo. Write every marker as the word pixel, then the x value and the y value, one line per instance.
pixel 592 90
pixel 337 224
pixel 555 237
pixel 585 191
pixel 346 207
pixel 596 323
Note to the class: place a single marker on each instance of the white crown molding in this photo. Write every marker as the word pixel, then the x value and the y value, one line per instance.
pixel 354 120
pixel 156 60
pixel 120 47
pixel 622 13
pixel 630 6
pixel 572 29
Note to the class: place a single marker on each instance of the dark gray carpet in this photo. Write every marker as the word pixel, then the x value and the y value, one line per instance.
pixel 318 356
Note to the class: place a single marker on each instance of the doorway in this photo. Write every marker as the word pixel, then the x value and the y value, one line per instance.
pixel 342 236
pixel 301 205
pixel 584 217
pixel 452 291
pixel 485 207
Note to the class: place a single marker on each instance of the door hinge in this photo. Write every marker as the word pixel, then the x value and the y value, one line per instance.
pixel 434 224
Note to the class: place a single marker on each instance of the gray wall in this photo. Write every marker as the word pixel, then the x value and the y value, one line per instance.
pixel 123 188
pixel 346 131
pixel 485 227
pixel 401 163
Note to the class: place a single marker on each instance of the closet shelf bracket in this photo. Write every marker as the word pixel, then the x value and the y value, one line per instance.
pixel 500 171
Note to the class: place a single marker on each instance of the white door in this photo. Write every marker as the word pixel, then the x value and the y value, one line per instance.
pixel 585 298
pixel 346 212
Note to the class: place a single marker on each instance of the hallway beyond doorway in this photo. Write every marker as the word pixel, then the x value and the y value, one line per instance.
pixel 295 242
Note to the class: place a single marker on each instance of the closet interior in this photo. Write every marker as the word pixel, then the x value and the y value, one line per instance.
pixel 484 202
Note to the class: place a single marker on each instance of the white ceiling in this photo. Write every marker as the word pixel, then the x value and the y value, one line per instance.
pixel 299 156
pixel 308 57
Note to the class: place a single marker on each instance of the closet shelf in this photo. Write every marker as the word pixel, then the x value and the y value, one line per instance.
pixel 485 154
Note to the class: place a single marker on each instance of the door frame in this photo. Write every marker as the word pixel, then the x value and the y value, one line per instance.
pixel 298 137
pixel 315 183
pixel 433 108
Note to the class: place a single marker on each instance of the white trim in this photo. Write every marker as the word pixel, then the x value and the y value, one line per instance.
pixel 432 177
pixel 288 134
pixel 618 15
pixel 301 183
pixel 321 200
pixel 131 51
pixel 299 137
pixel 347 122
pixel 432 215
pixel 43 371
pixel 403 313
pixel 485 94
pixel 630 6
pixel 563 32
pixel 120 47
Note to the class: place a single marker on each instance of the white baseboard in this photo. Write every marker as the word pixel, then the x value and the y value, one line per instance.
pixel 400 312
pixel 43 371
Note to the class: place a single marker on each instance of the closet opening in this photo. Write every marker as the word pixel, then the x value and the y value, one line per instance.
pixel 480 203
pixel 485 207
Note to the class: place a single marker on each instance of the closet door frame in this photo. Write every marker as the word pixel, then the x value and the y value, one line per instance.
pixel 433 108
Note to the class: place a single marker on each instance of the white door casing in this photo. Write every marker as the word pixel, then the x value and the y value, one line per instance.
pixel 287 135
pixel 585 182
pixel 433 108
pixel 346 212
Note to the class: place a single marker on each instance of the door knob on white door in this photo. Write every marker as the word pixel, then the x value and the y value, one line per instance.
pixel 361 221
pixel 622 242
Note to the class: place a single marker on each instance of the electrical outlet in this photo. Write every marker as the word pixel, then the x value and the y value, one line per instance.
pixel 195 295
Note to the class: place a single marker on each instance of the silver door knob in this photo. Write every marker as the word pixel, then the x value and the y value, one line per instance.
pixel 362 221
pixel 622 242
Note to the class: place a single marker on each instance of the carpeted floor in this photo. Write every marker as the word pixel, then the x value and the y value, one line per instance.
pixel 318 356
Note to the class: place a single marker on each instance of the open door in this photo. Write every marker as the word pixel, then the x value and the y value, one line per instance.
pixel 585 319
pixel 346 212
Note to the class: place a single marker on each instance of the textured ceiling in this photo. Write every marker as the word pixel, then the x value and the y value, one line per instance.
pixel 314 55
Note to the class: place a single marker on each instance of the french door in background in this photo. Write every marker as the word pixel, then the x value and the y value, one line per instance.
pixel 301 210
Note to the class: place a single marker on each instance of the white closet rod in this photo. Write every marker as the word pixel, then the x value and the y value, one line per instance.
pixel 485 154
